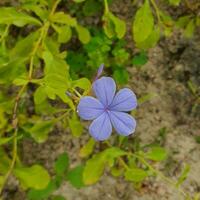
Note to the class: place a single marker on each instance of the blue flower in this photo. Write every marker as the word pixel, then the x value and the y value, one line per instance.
pixel 108 109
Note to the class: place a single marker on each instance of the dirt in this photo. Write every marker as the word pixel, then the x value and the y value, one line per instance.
pixel 172 63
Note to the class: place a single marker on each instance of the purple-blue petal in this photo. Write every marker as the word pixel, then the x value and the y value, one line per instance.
pixel 100 70
pixel 101 128
pixel 124 100
pixel 123 123
pixel 89 108
pixel 104 89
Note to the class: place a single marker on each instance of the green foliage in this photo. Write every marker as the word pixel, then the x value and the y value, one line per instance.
pixel 62 164
pixel 156 154
pixel 143 23
pixel 136 175
pixel 95 166
pixel 32 177
pixel 140 59
pixel 75 176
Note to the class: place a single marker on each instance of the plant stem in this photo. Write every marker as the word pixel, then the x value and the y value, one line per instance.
pixel 156 10
pixel 106 6
pixel 159 174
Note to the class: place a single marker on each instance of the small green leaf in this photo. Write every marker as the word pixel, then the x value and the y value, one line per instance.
pixel 75 176
pixel 120 26
pixel 190 28
pixel 140 59
pixel 75 126
pixel 43 193
pixel 40 95
pixel 62 18
pixel 183 175
pixel 95 166
pixel 113 25
pixel 82 83
pixel 143 23
pixel 135 175
pixel 121 76
pixel 40 130
pixel 175 2
pixel 152 40
pixel 32 177
pixel 62 164
pixel 87 149
pixel 5 140
pixel 9 15
pixel 83 34
pixel 20 81
pixel 157 154
pixel 1 181
pixel 94 169
pixel 64 33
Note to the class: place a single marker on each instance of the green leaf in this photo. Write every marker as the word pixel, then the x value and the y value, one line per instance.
pixel 190 28
pixel 183 21
pixel 175 2
pixel 24 46
pixel 121 76
pixel 143 23
pixel 62 164
pixel 44 193
pixel 56 81
pixel 95 166
pixel 64 33
pixel 157 154
pixel 83 34
pixel 9 15
pixel 152 40
pixel 87 149
pixel 94 169
pixel 183 175
pixel 82 83
pixel 140 59
pixel 120 26
pixel 5 140
pixel 40 130
pixel 75 126
pixel 20 81
pixel 135 175
pixel 62 18
pixel 32 177
pixel 1 181
pixel 113 25
pixel 40 95
pixel 75 176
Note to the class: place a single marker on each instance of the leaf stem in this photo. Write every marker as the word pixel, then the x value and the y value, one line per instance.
pixel 159 174
pixel 106 6
pixel 156 10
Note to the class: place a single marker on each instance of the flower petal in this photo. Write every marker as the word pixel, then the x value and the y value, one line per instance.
pixel 123 123
pixel 124 100
pixel 101 128
pixel 90 108
pixel 104 89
